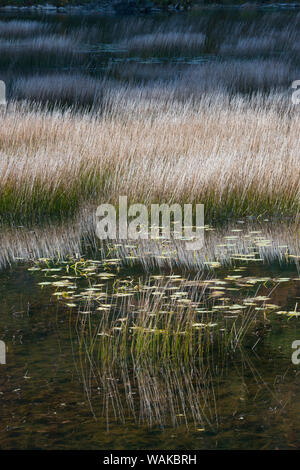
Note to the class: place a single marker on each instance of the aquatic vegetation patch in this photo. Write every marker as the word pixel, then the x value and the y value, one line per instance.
pixel 22 28
pixel 54 162
pixel 162 43
pixel 162 315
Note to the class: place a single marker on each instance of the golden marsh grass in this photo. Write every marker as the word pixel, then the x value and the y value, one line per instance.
pixel 237 154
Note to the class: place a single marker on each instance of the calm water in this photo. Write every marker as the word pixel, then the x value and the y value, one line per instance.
pixel 101 38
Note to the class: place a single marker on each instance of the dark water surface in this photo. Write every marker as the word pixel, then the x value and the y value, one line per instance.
pixel 48 397
pixel 101 36
pixel 44 404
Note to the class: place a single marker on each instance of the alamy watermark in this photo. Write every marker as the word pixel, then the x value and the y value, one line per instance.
pixel 161 221
pixel 296 93
pixel 2 93
pixel 296 353
pixel 2 352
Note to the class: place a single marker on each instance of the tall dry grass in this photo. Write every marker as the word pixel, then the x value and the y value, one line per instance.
pixel 23 29
pixel 165 43
pixel 268 35
pixel 61 89
pixel 240 76
pixel 237 155
pixel 264 35
pixel 262 243
pixel 261 37
pixel 165 81
pixel 39 51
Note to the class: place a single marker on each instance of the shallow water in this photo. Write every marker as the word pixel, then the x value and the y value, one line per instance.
pixel 45 403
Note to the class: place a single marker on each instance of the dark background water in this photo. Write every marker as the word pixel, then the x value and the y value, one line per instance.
pixel 104 32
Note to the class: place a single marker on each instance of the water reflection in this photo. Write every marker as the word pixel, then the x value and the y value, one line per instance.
pixel 56 393
pixel 50 385
pixel 242 242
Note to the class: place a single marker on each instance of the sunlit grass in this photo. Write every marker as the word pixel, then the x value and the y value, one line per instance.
pixel 238 156
pixel 39 51
pixel 22 28
pixel 162 43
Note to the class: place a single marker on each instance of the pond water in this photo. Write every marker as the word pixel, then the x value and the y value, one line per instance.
pixel 104 40
pixel 55 390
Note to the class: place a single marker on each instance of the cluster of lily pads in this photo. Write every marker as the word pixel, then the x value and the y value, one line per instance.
pixel 164 313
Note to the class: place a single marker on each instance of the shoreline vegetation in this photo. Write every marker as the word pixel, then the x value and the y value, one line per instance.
pixel 209 150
